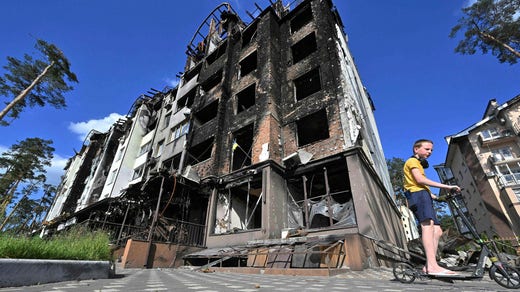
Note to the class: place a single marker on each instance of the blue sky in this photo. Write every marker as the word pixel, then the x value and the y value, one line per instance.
pixel 120 49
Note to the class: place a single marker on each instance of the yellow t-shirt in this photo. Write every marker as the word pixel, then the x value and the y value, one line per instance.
pixel 409 182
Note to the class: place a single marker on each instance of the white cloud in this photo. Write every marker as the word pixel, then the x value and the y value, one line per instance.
pixel 173 82
pixel 101 125
pixel 55 171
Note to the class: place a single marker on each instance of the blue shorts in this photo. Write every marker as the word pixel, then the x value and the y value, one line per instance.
pixel 421 204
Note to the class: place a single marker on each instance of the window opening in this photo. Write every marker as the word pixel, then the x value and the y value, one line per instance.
pixel 179 130
pixel 207 113
pixel 246 98
pixel 242 148
pixel 138 172
pixel 167 119
pixel 301 19
pixel 159 148
pixel 304 48
pixel 144 149
pixel 200 152
pixel 249 35
pixel 216 54
pixel 212 81
pixel 192 73
pixel 248 64
pixel 318 193
pixel 312 128
pixel 186 100
pixel 172 163
pixel 307 84
pixel 239 207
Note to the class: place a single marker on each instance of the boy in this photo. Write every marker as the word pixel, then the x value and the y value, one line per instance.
pixel 420 201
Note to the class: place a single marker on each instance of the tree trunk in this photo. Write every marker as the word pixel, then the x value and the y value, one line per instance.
pixel 25 92
pixel 506 46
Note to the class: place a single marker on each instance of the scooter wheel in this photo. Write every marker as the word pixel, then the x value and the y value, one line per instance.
pixel 404 273
pixel 505 276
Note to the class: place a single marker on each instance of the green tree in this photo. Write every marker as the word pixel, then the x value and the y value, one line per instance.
pixel 23 163
pixel 490 26
pixel 395 169
pixel 35 82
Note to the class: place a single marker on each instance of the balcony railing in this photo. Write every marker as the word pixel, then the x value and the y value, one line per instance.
pixel 166 230
pixel 507 180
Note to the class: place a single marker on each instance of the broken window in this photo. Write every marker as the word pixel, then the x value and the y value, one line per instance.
pixel 172 163
pixel 186 100
pixel 200 152
pixel 304 48
pixel 216 54
pixel 246 98
pixel 242 148
pixel 301 19
pixel 319 192
pixel 307 84
pixel 212 81
pixel 247 65
pixel 207 113
pixel 249 34
pixel 312 128
pixel 239 206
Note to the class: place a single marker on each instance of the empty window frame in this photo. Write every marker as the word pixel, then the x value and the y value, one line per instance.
pixel 248 64
pixel 191 73
pixel 301 19
pixel 200 152
pixel 319 192
pixel 242 147
pixel 304 48
pixel 212 81
pixel 239 207
pixel 246 98
pixel 307 84
pixel 249 35
pixel 207 113
pixel 187 99
pixel 312 128
pixel 172 163
pixel 216 53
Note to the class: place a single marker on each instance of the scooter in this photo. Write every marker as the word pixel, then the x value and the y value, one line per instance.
pixel 502 273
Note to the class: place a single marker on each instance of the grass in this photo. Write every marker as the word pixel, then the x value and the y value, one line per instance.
pixel 75 244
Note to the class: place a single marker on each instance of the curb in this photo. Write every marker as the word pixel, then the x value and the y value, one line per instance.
pixel 25 272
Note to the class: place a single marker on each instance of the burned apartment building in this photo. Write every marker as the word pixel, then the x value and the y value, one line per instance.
pixel 265 155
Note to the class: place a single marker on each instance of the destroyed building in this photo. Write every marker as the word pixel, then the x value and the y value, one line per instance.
pixel 266 154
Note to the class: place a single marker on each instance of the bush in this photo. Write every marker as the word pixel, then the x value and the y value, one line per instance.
pixel 76 244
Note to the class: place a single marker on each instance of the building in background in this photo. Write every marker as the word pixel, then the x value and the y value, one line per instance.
pixel 265 155
pixel 484 160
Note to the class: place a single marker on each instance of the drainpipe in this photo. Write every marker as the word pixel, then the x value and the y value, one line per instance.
pixel 152 226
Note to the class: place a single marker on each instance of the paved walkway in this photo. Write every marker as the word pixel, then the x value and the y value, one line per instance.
pixel 183 280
